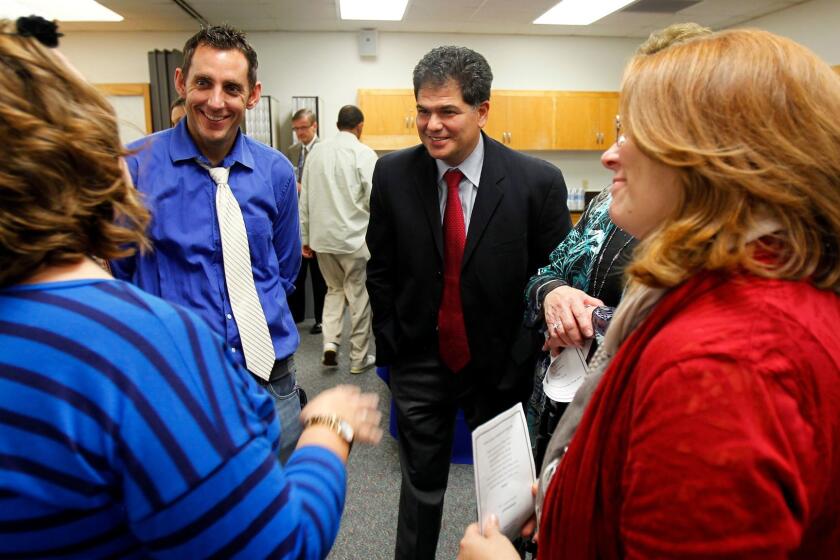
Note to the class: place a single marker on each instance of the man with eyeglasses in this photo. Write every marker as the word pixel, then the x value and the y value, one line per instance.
pixel 306 130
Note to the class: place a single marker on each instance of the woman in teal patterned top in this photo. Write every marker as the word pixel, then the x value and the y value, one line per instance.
pixel 584 281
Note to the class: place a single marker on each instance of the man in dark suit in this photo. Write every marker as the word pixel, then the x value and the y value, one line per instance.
pixel 306 130
pixel 457 226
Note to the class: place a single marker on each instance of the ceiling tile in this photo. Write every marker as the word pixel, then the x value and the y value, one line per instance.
pixel 448 16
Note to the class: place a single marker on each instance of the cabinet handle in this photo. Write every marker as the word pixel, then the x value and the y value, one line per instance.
pixel 405 121
pixel 510 137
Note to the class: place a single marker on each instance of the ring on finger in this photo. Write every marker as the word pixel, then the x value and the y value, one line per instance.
pixel 556 326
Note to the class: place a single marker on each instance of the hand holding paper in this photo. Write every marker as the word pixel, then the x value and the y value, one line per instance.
pixel 488 544
pixel 504 470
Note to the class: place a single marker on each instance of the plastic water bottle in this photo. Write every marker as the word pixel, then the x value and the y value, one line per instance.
pixel 577 199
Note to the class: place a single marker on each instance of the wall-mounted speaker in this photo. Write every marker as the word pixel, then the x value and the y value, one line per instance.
pixel 367 42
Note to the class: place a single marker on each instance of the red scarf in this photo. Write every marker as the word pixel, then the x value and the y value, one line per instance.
pixel 582 506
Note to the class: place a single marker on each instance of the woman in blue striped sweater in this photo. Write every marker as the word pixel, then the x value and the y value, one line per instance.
pixel 125 429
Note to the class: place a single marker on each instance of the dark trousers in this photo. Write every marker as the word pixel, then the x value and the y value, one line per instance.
pixel 427 395
pixel 297 301
pixel 552 412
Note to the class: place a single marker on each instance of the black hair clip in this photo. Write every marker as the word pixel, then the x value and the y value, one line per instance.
pixel 44 30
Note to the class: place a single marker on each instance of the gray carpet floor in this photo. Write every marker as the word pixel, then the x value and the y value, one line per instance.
pixel 369 524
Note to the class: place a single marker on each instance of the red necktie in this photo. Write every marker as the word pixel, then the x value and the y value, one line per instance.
pixel 452 334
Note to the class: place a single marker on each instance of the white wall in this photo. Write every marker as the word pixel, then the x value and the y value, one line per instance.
pixel 328 65
pixel 815 24
pixel 117 57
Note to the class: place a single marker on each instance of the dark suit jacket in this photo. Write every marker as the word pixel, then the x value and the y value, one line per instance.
pixel 519 216
pixel 293 153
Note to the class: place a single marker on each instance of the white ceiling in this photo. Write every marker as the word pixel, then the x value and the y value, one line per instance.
pixel 445 16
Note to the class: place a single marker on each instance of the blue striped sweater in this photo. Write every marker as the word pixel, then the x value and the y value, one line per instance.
pixel 126 431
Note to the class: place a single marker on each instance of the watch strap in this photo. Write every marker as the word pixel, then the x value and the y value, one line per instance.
pixel 333 422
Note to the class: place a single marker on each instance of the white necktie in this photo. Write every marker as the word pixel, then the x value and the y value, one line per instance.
pixel 239 278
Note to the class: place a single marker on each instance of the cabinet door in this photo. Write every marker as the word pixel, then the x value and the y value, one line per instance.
pixel 530 121
pixel 585 120
pixel 389 118
pixel 523 120
pixel 609 110
pixel 497 123
pixel 577 121
pixel 387 112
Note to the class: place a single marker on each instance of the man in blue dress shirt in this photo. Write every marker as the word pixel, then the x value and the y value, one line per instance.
pixel 236 278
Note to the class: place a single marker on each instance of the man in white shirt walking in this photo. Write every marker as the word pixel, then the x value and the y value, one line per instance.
pixel 334 215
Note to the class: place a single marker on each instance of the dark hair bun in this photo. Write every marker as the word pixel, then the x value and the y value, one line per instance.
pixel 35 26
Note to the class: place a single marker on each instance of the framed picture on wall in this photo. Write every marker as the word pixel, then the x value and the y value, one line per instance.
pixel 132 104
pixel 259 123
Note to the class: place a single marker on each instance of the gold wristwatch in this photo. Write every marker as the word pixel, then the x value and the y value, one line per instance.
pixel 333 422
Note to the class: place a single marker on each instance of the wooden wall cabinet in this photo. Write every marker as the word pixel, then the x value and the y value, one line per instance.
pixel 520 119
pixel 584 120
pixel 389 118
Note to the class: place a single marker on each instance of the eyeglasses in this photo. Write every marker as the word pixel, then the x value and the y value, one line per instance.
pixel 296 128
pixel 620 138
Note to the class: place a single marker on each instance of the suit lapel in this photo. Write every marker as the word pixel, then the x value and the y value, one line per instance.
pixel 490 193
pixel 425 182
pixel 294 157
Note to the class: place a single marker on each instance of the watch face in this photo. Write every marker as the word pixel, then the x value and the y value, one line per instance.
pixel 346 431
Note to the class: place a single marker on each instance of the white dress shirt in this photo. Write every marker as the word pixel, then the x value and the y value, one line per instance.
pixel 467 190
pixel 335 195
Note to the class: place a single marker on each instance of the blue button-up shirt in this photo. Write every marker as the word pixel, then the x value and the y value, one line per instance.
pixel 186 266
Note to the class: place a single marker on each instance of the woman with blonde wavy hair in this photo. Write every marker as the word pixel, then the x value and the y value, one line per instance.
pixel 708 424
pixel 126 430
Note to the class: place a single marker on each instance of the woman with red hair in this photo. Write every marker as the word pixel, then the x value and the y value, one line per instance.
pixel 708 425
